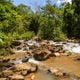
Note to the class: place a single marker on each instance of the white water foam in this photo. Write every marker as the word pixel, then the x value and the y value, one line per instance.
pixel 72 47
pixel 32 60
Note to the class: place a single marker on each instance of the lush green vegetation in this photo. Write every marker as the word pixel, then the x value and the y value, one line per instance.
pixel 72 19
pixel 49 22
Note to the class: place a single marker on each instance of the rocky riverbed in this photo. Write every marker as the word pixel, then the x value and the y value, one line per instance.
pixel 37 59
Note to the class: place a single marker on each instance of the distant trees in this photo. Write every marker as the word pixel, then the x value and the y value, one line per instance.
pixel 24 9
pixel 51 22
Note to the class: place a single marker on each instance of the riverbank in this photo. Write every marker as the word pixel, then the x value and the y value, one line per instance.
pixel 41 60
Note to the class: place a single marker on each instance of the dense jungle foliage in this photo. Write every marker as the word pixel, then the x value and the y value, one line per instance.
pixel 49 22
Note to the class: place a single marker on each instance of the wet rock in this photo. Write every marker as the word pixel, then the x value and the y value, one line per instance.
pixel 74 77
pixel 51 48
pixel 29 53
pixel 78 59
pixel 17 61
pixel 7 73
pixel 58 48
pixel 34 68
pixel 16 42
pixel 57 54
pixel 18 48
pixel 12 68
pixel 41 55
pixel 5 60
pixel 53 71
pixel 31 42
pixel 61 51
pixel 7 65
pixel 32 47
pixel 25 48
pixel 16 77
pixel 61 74
pixel 51 42
pixel 25 59
pixel 58 72
pixel 1 74
pixel 26 66
pixel 14 51
pixel 24 72
pixel 3 79
pixel 65 54
pixel 54 48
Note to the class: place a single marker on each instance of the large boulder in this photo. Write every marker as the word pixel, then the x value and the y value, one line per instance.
pixel 41 55
pixel 56 48
pixel 30 67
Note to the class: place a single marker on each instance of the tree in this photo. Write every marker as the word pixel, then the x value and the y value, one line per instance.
pixel 76 6
pixel 51 22
pixel 72 19
pixel 24 8
pixel 68 19
pixel 34 23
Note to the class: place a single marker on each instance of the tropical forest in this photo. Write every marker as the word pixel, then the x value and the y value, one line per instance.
pixel 40 41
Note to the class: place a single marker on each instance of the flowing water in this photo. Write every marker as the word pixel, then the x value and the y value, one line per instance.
pixel 68 46
pixel 68 64
pixel 43 75
pixel 32 60
pixel 72 47
pixel 65 63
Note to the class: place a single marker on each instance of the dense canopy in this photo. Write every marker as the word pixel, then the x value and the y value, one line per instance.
pixel 48 22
